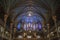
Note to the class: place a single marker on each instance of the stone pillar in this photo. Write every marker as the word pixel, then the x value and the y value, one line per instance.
pixel 55 22
pixel 11 26
pixel 48 26
pixel 5 20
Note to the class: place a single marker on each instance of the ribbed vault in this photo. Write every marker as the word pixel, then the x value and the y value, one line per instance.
pixel 16 7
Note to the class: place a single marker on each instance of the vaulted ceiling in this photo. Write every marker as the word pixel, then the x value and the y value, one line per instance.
pixel 14 8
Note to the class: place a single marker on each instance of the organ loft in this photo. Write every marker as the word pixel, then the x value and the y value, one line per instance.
pixel 29 19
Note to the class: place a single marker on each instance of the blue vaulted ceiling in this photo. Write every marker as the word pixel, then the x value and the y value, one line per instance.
pixel 17 7
pixel 29 9
pixel 34 18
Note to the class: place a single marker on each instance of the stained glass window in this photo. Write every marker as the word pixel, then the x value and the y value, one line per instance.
pixel 18 26
pixel 30 22
pixel 25 26
pixel 39 26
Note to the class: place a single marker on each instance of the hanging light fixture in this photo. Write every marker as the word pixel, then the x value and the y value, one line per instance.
pixel 29 13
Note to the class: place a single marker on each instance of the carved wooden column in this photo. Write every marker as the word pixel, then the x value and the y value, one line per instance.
pixel 48 26
pixel 55 22
pixel 14 30
pixel 11 26
pixel 5 20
